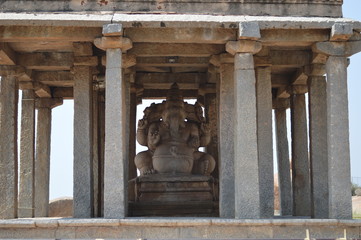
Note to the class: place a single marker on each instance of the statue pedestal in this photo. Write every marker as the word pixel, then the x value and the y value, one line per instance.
pixel 174 195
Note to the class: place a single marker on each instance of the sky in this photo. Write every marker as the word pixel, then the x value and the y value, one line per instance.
pixel 61 166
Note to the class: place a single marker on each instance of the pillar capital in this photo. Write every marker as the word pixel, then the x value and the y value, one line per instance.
pixel 105 43
pixel 297 89
pixel 340 49
pixel 341 32
pixel 48 102
pixel 243 46
pixel 128 60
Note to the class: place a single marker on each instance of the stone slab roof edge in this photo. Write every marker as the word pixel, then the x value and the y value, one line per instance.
pixel 170 222
pixel 168 20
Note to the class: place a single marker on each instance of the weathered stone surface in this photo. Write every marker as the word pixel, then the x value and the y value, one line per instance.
pixel 264 141
pixel 7 55
pixel 113 29
pixel 249 30
pixel 8 148
pixel 115 196
pixel 284 175
pixel 300 161
pixel 246 169
pixel 226 142
pixel 318 146
pixel 42 162
pixel 61 207
pixel 83 143
pixel 27 155
pixel 338 139
pixel 82 49
pixel 46 61
pixel 341 32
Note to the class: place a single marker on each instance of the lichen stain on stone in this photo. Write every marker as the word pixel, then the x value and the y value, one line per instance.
pixel 103 3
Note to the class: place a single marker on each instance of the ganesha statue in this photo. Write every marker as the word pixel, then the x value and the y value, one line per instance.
pixel 173 131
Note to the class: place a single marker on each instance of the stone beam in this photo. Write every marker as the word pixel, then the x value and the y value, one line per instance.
pixel 7 55
pixel 173 61
pixel 85 61
pixel 48 33
pixel 181 35
pixel 46 61
pixel 289 58
pixel 63 92
pixel 165 80
pixel 48 102
pixel 280 80
pixel 281 37
pixel 55 78
pixel 162 93
pixel 299 78
pixel 176 49
pixel 82 49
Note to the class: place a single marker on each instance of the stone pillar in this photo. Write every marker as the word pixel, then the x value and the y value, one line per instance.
pixel 101 137
pixel 132 135
pixel 339 184
pixel 318 143
pixel 300 163
pixel 226 144
pixel 265 141
pixel 8 147
pixel 42 156
pixel 246 167
pixel 83 143
pixel 211 113
pixel 284 173
pixel 95 152
pixel 338 139
pixel 116 162
pixel 27 155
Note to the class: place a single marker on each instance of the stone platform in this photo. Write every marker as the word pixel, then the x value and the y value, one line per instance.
pixel 178 228
pixel 174 195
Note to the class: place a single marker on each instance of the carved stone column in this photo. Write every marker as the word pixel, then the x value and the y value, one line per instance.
pixel 8 143
pixel 300 162
pixel 27 155
pixel 284 173
pixel 225 133
pixel 339 184
pixel 83 143
pixel 318 140
pixel 42 157
pixel 265 140
pixel 246 166
pixel 116 162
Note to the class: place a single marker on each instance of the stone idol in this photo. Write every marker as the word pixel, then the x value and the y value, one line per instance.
pixel 173 131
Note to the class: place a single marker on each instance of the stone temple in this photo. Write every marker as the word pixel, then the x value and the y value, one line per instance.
pixel 208 171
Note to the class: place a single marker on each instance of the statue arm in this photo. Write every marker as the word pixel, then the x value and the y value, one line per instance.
pixel 153 136
pixel 193 140
pixel 142 132
pixel 205 138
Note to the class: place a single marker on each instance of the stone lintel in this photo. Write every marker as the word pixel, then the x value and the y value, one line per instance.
pixel 249 30
pixel 340 49
pixel 105 43
pixel 297 89
pixel 7 70
pixel 243 46
pixel 113 29
pixel 281 103
pixel 48 102
pixel 81 49
pixel 315 70
pixel 128 60
pixel 46 60
pixel 341 32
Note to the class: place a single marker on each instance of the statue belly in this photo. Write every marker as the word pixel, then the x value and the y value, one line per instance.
pixel 173 157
